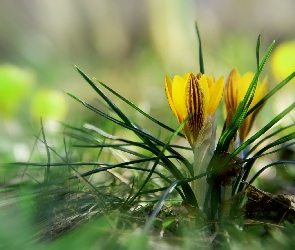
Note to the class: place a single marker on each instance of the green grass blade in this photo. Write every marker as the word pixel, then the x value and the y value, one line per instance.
pixel 283 162
pixel 258 50
pixel 251 161
pixel 88 183
pixel 47 170
pixel 137 108
pixel 256 156
pixel 103 167
pixel 272 92
pixel 267 137
pixel 122 124
pixel 201 61
pixel 125 165
pixel 105 98
pixel 159 205
pixel 264 129
pixel 230 131
pixel 277 142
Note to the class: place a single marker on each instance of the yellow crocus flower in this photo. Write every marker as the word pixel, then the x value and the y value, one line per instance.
pixel 198 95
pixel 235 90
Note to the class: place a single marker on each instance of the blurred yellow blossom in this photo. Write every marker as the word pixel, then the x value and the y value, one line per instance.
pixel 283 60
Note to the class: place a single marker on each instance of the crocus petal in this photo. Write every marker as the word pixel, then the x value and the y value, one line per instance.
pixel 194 97
pixel 210 80
pixel 246 80
pixel 178 96
pixel 245 128
pixel 261 91
pixel 185 76
pixel 168 90
pixel 231 91
pixel 216 91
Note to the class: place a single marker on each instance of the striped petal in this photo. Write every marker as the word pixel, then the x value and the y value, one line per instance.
pixel 231 91
pixel 194 100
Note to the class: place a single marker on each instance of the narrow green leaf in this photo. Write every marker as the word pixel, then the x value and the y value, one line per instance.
pixel 258 50
pixel 251 161
pixel 264 129
pixel 267 137
pixel 136 108
pixel 201 61
pixel 122 124
pixel 105 98
pixel 283 163
pixel 272 92
pixel 159 205
pixel 47 170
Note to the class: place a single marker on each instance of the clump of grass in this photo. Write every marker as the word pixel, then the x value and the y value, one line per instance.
pixel 99 182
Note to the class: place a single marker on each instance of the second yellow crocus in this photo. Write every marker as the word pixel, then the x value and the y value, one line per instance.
pixel 235 90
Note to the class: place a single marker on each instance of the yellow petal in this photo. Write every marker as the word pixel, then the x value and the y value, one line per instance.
pixel 185 76
pixel 261 90
pixel 168 90
pixel 178 96
pixel 216 91
pixel 210 80
pixel 244 85
pixel 245 127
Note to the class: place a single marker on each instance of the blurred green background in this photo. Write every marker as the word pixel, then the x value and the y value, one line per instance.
pixel 129 45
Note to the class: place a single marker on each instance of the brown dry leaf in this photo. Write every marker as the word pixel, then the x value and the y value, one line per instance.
pixel 268 207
